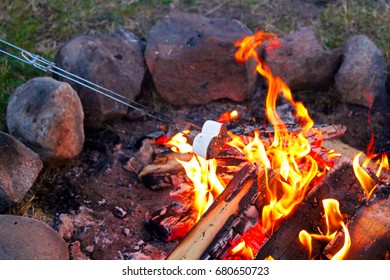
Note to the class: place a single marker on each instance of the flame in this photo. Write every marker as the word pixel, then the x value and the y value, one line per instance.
pixel 228 117
pixel 241 251
pixel 293 156
pixel 289 154
pixel 201 172
pixel 334 222
pixel 372 160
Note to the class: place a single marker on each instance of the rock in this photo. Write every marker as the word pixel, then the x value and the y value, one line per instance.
pixel 362 71
pixel 137 256
pixel 191 59
pixel 302 62
pixel 65 227
pixel 19 168
pixel 75 251
pixel 47 116
pixel 114 61
pixel 24 238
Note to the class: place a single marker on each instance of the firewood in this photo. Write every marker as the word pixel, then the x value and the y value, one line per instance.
pixel 171 223
pixel 340 147
pixel 369 229
pixel 201 236
pixel 340 183
pixel 155 175
pixel 327 131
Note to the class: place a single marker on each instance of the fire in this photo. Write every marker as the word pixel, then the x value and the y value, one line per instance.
pixel 289 154
pixel 334 222
pixel 293 156
pixel 201 172
pixel 378 162
pixel 372 161
pixel 228 117
pixel 241 251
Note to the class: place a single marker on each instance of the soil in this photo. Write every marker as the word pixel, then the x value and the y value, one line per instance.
pixel 91 187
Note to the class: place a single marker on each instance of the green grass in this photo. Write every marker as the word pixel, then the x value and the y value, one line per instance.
pixel 347 18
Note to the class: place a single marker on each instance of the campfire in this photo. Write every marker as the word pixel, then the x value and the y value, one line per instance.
pixel 274 191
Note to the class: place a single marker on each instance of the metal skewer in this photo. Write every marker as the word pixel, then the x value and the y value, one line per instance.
pixel 48 66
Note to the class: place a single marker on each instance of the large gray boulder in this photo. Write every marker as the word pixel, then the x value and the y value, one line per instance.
pixel 302 62
pixel 19 168
pixel 191 59
pixel 114 61
pixel 47 116
pixel 24 238
pixel 362 74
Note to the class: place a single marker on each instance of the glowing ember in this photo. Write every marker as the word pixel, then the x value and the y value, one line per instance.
pixel 334 223
pixel 228 117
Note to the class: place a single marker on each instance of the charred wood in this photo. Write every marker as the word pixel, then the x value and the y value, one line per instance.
pixel 340 183
pixel 235 212
pixel 157 175
pixel 369 229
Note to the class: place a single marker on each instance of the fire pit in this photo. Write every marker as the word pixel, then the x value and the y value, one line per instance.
pixel 232 189
pixel 268 189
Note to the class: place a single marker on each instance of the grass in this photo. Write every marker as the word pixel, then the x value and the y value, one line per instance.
pixel 41 26
pixel 346 18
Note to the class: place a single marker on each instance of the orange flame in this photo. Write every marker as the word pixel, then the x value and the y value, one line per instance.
pixel 228 117
pixel 241 251
pixel 334 222
pixel 371 161
pixel 289 154
pixel 202 174
pixel 377 161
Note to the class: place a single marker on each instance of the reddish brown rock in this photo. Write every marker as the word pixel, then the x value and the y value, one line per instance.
pixel 19 168
pixel 191 59
pixel 47 116
pixel 114 61
pixel 302 62
pixel 24 238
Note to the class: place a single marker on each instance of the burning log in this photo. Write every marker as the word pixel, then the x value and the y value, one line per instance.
pixel 369 229
pixel 325 130
pixel 341 184
pixel 172 222
pixel 221 217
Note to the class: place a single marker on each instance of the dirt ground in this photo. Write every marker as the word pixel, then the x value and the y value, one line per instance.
pixel 90 188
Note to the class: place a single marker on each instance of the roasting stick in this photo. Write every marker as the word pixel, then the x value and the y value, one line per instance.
pixel 48 66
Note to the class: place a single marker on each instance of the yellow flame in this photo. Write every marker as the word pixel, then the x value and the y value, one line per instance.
pixel 306 240
pixel 366 181
pixel 334 222
pixel 289 153
pixel 202 174
pixel 242 250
